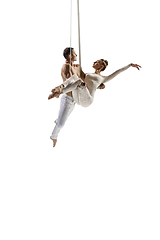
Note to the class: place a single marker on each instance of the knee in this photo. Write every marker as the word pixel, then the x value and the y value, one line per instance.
pixel 60 124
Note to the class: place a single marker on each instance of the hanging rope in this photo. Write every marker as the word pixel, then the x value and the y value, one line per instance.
pixel 79 37
pixel 70 31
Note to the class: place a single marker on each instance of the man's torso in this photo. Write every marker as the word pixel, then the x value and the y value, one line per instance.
pixel 71 70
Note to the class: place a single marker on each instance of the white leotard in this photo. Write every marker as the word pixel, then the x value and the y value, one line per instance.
pixel 85 96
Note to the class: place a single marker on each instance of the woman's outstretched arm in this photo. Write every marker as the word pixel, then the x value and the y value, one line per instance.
pixel 108 78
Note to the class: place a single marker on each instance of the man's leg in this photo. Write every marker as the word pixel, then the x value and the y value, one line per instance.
pixel 66 107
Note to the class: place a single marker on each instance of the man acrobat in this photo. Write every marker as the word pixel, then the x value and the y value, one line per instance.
pixel 67 102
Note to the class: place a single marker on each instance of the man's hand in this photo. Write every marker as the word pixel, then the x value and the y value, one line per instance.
pixel 136 66
pixel 102 86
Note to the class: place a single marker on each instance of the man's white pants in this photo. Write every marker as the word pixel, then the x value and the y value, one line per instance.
pixel 66 107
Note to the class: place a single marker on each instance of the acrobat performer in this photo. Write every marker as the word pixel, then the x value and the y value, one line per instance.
pixel 83 91
pixel 67 103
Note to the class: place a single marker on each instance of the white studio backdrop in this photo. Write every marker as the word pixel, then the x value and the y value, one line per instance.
pixel 102 179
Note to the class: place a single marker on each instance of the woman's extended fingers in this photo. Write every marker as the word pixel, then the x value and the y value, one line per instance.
pixel 136 66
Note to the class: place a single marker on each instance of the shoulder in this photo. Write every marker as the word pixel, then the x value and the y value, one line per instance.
pixel 92 75
pixel 66 68
pixel 102 76
pixel 66 71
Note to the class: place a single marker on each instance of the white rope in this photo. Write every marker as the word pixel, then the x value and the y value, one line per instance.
pixel 70 31
pixel 79 36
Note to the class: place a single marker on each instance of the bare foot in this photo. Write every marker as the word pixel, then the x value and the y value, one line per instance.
pixel 57 89
pixel 53 95
pixel 54 141
pixel 56 92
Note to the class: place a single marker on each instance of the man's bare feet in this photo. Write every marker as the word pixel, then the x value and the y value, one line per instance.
pixel 54 141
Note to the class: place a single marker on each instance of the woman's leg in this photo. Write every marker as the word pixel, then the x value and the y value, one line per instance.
pixel 82 97
pixel 72 86
pixel 68 86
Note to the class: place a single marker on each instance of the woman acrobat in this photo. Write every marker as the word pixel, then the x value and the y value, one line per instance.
pixel 84 91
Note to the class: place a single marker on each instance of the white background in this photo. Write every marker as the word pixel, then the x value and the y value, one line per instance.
pixel 102 180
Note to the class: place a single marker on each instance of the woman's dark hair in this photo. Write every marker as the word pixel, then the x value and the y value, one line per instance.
pixel 67 51
pixel 105 64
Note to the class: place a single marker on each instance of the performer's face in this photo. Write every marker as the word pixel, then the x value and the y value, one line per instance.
pixel 98 65
pixel 74 55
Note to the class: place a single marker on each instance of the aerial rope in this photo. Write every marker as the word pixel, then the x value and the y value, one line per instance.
pixel 70 31
pixel 79 37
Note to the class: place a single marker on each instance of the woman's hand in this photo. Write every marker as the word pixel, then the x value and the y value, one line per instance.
pixel 102 86
pixel 136 66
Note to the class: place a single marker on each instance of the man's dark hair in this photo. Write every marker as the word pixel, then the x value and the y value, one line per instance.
pixel 105 64
pixel 67 51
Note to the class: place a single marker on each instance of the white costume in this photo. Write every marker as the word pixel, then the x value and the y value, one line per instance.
pixel 66 107
pixel 84 96
pixel 81 95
